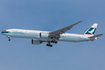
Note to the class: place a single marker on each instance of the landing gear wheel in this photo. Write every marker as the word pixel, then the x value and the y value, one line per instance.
pixel 9 39
pixel 49 45
pixel 54 42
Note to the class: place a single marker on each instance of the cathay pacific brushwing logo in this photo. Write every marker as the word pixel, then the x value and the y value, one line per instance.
pixel 92 30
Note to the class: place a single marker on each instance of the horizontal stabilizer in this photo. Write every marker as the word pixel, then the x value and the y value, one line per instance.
pixel 96 36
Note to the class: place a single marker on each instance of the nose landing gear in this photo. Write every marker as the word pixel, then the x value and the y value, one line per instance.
pixel 9 39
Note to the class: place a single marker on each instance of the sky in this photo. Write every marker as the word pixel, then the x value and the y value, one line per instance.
pixel 50 15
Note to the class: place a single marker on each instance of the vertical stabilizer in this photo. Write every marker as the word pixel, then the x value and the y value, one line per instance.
pixel 91 30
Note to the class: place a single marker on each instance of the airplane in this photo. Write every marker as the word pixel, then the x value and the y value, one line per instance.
pixel 39 37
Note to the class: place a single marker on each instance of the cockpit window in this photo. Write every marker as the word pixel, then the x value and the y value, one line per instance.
pixel 5 31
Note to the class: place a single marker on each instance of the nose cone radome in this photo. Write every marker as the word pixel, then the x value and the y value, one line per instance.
pixel 2 32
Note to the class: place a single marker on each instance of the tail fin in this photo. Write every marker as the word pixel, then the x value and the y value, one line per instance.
pixel 91 30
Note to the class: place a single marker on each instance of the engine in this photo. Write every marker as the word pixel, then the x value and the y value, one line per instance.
pixel 44 35
pixel 36 42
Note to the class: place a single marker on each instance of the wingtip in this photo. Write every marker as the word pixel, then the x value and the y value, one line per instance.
pixel 102 34
pixel 80 21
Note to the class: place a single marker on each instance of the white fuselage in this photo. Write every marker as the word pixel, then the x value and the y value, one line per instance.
pixel 34 34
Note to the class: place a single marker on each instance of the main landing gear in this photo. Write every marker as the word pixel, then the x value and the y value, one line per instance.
pixel 49 44
pixel 54 42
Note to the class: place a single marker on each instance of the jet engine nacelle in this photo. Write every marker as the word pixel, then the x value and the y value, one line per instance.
pixel 36 42
pixel 44 35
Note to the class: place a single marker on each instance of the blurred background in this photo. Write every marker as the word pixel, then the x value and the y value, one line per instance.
pixel 50 15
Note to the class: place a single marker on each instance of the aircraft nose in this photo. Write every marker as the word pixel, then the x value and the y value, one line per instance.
pixel 5 31
pixel 2 32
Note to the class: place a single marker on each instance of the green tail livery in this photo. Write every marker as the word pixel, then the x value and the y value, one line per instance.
pixel 91 30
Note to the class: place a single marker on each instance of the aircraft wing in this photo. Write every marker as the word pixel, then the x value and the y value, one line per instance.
pixel 63 30
pixel 96 36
